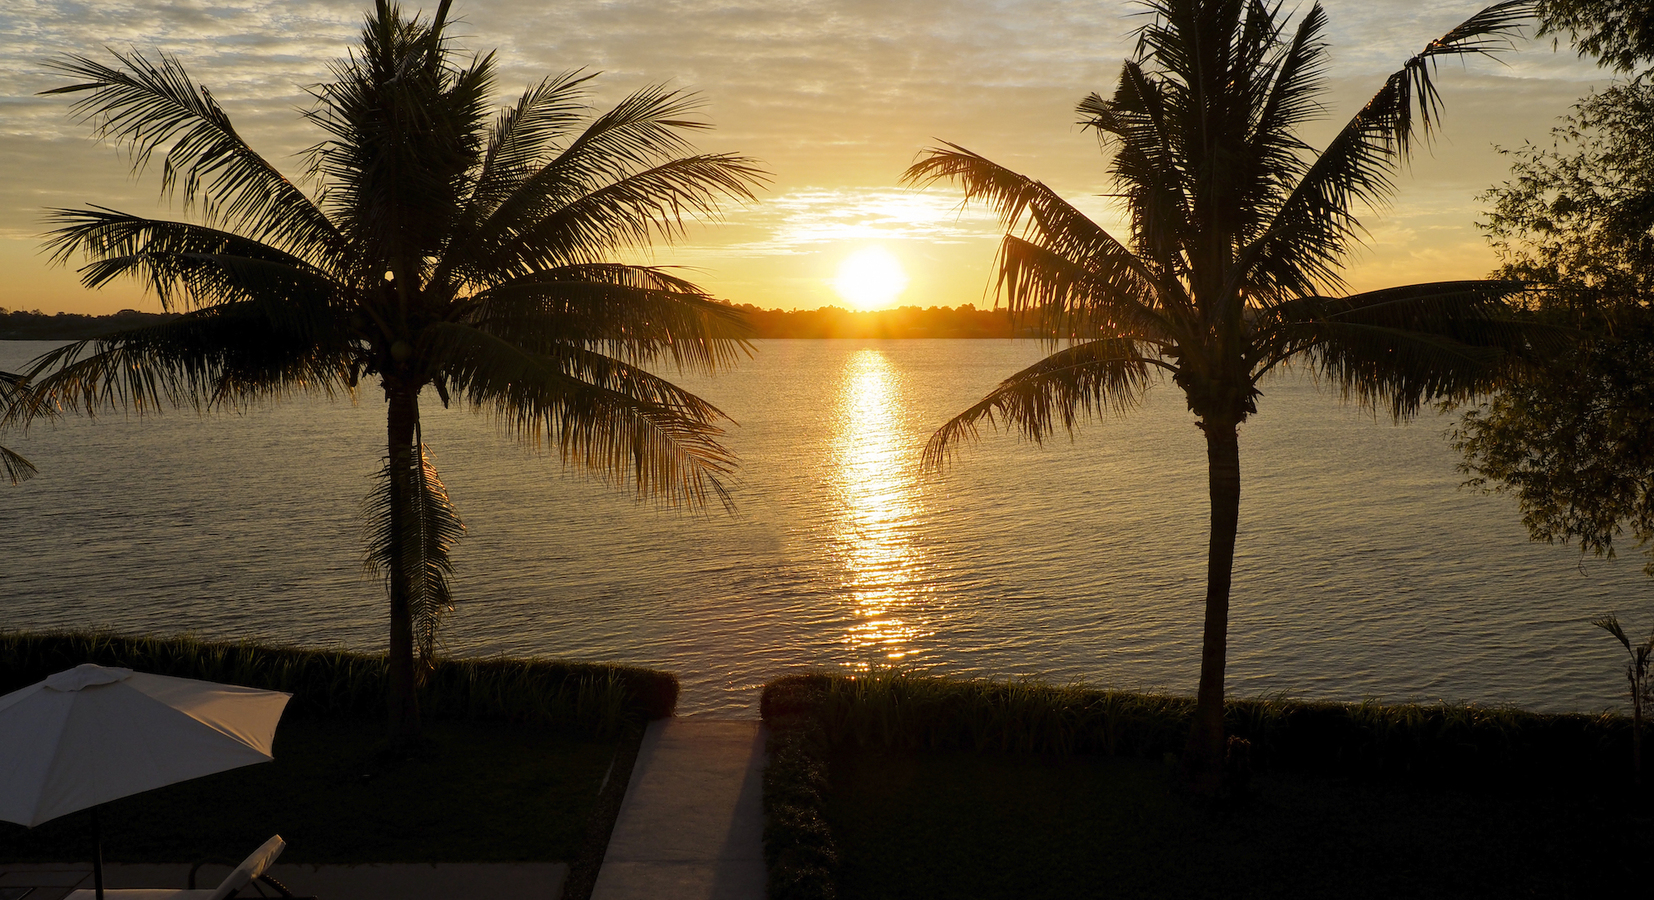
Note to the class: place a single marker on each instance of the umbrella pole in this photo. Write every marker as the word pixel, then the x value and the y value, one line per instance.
pixel 97 855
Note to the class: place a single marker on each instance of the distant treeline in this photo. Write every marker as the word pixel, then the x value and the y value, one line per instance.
pixel 828 322
pixel 903 322
pixel 34 325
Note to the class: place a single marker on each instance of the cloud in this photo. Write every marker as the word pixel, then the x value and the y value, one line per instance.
pixel 835 96
pixel 811 217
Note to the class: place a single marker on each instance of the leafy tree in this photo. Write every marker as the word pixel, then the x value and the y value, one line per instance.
pixel 446 244
pixel 1619 33
pixel 1238 230
pixel 1580 213
pixel 1575 441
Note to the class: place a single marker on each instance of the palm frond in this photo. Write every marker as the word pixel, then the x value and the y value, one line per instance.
pixel 656 203
pixel 180 261
pixel 414 542
pixel 1046 220
pixel 522 137
pixel 630 175
pixel 1075 383
pixel 13 393
pixel 18 469
pixel 224 356
pixel 1402 347
pixel 519 143
pixel 396 199
pixel 637 313
pixel 604 416
pixel 147 105
pixel 639 133
pixel 1079 299
pixel 1611 624
pixel 1139 119
pixel 1315 227
pixel 1295 79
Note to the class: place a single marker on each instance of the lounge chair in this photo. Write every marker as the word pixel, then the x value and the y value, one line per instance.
pixel 249 873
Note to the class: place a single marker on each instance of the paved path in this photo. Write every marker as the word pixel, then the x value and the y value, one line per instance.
pixel 446 881
pixel 692 822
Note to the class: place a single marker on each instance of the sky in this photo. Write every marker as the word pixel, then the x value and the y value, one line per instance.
pixel 834 97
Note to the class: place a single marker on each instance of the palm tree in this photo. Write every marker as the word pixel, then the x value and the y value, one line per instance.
pixel 446 244
pixel 1237 232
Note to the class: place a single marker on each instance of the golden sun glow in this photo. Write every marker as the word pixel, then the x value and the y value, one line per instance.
pixel 870 278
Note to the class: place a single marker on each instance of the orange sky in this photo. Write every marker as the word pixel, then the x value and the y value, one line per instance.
pixel 836 98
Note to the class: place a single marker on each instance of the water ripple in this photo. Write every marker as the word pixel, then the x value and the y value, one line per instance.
pixel 1362 570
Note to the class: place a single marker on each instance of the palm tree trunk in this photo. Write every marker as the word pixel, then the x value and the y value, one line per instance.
pixel 401 423
pixel 1203 757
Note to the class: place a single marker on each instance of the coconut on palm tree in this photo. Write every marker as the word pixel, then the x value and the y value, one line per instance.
pixel 445 244
pixel 1237 232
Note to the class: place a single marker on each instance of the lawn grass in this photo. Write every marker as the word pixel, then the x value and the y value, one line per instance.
pixel 925 824
pixel 476 791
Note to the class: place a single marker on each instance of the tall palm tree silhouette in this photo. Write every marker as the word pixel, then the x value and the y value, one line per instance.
pixel 446 244
pixel 1231 268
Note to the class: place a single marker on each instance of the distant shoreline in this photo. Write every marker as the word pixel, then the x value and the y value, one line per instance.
pixel 903 322
pixel 17 325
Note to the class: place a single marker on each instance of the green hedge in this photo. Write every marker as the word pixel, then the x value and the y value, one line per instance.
pixel 907 711
pixel 597 698
pixel 811 715
pixel 799 852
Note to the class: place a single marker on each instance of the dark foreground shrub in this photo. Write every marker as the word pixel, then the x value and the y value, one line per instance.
pixel 898 711
pixel 811 716
pixel 799 851
pixel 600 699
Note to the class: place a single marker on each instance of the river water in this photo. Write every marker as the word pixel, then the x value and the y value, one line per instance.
pixel 1363 570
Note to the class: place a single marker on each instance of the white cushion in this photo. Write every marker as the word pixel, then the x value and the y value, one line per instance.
pixel 250 868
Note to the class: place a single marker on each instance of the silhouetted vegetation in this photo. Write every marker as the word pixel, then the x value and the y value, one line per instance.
pixel 919 824
pixel 902 322
pixel 827 322
pixel 584 697
pixel 16 468
pixel 927 786
pixel 34 325
pixel 436 241
pixel 1573 440
pixel 1229 265
pixel 1619 33
pixel 1637 672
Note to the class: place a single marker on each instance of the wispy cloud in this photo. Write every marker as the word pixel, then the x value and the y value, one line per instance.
pixel 806 219
pixel 835 96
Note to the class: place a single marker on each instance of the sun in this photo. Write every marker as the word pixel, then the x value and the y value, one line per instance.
pixel 870 278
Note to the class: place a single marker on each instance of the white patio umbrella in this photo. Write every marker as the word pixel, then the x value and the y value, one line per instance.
pixel 94 734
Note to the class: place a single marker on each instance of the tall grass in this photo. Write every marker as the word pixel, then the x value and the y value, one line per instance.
pixel 594 698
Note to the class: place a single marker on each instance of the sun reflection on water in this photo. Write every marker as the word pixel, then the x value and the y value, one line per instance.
pixel 877 506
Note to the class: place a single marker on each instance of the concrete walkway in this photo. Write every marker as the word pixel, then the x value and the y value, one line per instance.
pixel 400 881
pixel 691 826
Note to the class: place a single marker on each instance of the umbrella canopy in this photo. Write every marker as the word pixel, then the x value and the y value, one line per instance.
pixel 94 734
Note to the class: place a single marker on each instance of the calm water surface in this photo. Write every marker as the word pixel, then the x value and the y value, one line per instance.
pixel 1362 571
